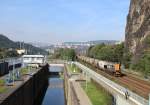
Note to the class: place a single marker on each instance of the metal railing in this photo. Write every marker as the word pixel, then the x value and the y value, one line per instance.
pixel 134 97
pixel 12 60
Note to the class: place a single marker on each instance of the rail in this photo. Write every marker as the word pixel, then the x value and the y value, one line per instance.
pixel 55 61
pixel 6 59
pixel 12 60
pixel 132 96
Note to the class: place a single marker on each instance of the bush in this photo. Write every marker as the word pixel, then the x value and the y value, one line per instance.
pixel 127 60
pixel 143 65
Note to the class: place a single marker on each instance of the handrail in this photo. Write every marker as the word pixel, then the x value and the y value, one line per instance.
pixel 13 58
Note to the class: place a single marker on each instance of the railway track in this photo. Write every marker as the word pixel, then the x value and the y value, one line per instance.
pixel 136 85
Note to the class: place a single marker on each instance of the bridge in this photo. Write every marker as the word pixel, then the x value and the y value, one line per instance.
pixel 122 95
pixel 54 69
pixel 56 85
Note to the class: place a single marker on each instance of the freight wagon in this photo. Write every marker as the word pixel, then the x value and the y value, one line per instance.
pixel 108 67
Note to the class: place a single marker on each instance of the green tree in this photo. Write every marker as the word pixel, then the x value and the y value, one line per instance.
pixel 107 52
pixel 144 64
pixel 65 54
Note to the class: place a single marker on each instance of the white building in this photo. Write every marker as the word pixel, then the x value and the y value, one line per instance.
pixel 33 60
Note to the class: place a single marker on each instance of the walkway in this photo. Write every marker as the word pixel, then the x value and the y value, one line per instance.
pixel 77 94
pixel 83 98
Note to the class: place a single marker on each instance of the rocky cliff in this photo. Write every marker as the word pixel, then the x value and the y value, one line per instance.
pixel 137 38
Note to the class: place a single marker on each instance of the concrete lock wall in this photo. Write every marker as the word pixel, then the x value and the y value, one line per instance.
pixel 30 92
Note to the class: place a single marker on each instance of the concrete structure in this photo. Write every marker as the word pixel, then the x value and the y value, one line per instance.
pixel 116 90
pixel 13 61
pixel 33 60
pixel 62 65
pixel 75 95
pixel 27 91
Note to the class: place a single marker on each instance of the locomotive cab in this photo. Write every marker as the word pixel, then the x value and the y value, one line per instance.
pixel 117 68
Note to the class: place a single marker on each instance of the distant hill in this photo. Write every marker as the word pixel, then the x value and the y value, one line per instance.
pixel 103 41
pixel 94 42
pixel 6 43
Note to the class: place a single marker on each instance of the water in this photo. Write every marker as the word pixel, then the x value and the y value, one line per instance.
pixel 55 69
pixel 55 91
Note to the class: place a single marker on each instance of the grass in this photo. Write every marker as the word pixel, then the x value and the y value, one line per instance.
pixel 24 70
pixel 61 75
pixel 2 82
pixel 73 68
pixel 98 96
pixel 2 89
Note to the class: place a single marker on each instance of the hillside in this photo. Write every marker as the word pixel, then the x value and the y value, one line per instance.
pixel 137 39
pixel 6 43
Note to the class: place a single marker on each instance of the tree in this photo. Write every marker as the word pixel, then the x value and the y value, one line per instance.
pixel 144 64
pixel 112 53
pixel 65 54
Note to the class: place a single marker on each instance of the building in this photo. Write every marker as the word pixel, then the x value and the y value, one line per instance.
pixel 33 60
pixel 21 51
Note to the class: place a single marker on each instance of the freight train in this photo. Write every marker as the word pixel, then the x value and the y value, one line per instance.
pixel 108 67
pixel 9 64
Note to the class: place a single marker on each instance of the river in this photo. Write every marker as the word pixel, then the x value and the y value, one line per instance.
pixel 55 91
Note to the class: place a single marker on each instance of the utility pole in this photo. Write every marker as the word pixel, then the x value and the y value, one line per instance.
pixel 86 82
pixel 149 98
pixel 13 72
pixel 20 45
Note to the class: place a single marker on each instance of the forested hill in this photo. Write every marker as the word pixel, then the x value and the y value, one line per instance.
pixel 6 43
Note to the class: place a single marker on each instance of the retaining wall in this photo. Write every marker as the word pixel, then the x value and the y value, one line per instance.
pixel 29 91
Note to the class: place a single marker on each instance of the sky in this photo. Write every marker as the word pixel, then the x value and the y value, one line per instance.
pixel 55 21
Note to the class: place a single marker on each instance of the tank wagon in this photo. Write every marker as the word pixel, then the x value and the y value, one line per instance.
pixel 108 67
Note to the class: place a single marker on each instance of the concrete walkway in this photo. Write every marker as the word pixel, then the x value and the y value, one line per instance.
pixel 83 98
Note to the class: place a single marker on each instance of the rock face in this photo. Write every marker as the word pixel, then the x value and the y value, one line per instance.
pixel 138 28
